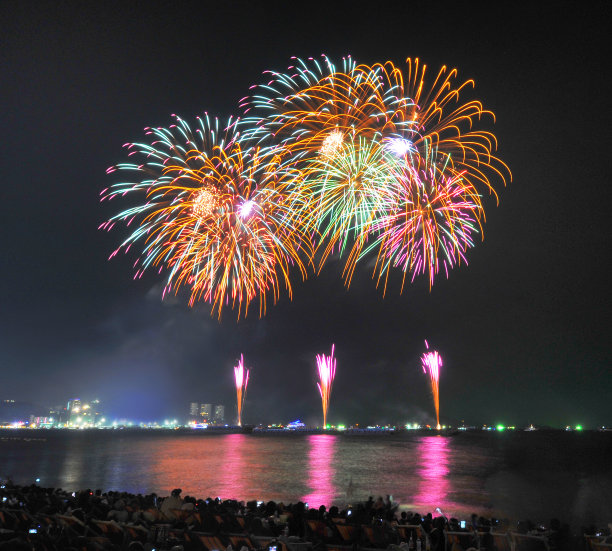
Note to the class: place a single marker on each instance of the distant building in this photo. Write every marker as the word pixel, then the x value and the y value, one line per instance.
pixel 202 413
pixel 206 412
pixel 83 414
pixel 219 416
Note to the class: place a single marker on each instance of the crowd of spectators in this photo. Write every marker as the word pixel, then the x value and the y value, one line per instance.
pixel 37 518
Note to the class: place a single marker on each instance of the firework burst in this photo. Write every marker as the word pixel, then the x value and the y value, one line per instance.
pixel 315 108
pixel 344 194
pixel 430 217
pixel 431 362
pixel 241 376
pixel 372 161
pixel 443 120
pixel 326 367
pixel 217 218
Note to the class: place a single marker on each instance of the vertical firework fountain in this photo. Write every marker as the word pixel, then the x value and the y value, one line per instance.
pixel 432 362
pixel 326 366
pixel 242 380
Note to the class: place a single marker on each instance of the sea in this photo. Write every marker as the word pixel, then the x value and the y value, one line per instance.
pixel 510 475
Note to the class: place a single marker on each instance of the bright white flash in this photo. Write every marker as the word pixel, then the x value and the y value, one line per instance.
pixel 399 146
pixel 246 208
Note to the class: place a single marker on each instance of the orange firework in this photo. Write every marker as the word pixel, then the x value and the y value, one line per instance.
pixel 429 220
pixel 218 218
pixel 334 123
pixel 431 362
pixel 241 375
pixel 358 159
pixel 445 121
pixel 326 367
pixel 315 110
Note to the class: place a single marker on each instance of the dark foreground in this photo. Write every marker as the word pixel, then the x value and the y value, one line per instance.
pixel 32 517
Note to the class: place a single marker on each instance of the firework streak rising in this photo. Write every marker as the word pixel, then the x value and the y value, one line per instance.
pixel 326 366
pixel 376 164
pixel 241 374
pixel 431 362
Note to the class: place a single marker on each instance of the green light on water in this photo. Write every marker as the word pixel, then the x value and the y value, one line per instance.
pixel 500 428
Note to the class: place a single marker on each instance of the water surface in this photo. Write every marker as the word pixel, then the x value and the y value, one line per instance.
pixel 509 475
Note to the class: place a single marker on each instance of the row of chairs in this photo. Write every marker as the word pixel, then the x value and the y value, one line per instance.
pixel 344 536
pixel 597 543
pixel 495 541
pixel 339 536
pixel 55 531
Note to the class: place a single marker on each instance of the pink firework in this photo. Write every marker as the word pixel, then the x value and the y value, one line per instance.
pixel 432 362
pixel 326 366
pixel 241 375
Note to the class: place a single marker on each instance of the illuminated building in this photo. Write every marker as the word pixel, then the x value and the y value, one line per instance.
pixel 206 412
pixel 83 414
pixel 202 413
pixel 219 416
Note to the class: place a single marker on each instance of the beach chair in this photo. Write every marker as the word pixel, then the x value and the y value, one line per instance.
pixel 23 519
pixel 590 539
pixel 157 516
pixel 458 541
pixel 72 525
pixel 7 520
pixel 241 522
pixel 186 538
pixel 238 541
pixel 407 531
pixel 349 533
pixel 315 530
pixel 528 542
pixel 135 532
pixel 210 542
pixel 501 541
pixel 182 515
pixel 374 537
pixel 111 530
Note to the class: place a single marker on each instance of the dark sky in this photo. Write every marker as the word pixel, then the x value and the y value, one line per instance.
pixel 524 329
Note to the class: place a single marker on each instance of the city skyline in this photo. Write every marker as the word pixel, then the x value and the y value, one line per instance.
pixel 524 327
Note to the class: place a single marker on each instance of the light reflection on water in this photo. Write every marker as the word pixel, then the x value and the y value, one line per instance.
pixel 434 484
pixel 536 476
pixel 321 456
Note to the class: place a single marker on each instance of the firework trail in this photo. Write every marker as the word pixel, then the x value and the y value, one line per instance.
pixel 314 107
pixel 431 362
pixel 382 127
pixel 326 366
pixel 428 220
pixel 378 163
pixel 217 218
pixel 241 375
pixel 442 119
pixel 345 198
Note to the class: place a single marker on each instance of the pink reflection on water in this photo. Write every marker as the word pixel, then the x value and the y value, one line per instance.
pixel 234 478
pixel 322 448
pixel 433 472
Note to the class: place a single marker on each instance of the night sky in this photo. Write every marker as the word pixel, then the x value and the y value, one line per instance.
pixel 524 329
